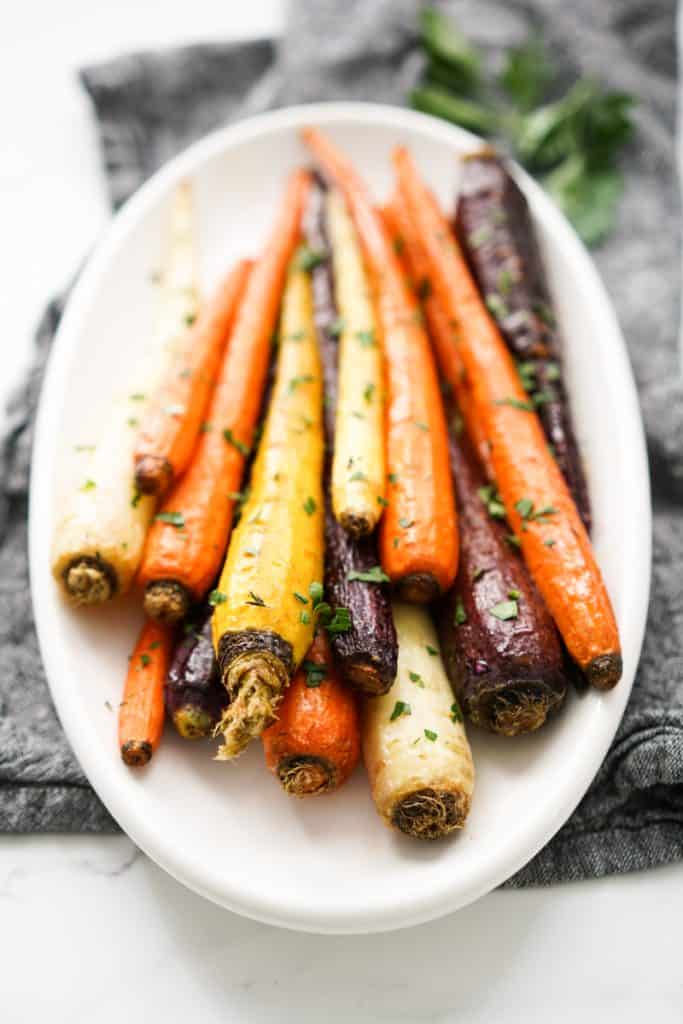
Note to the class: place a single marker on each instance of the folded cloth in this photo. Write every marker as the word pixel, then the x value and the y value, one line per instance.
pixel 151 105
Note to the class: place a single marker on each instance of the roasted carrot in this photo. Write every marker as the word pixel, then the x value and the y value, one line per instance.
pixel 169 431
pixel 98 542
pixel 366 652
pixel 418 536
pixel 186 543
pixel 264 616
pixel 358 472
pixel 141 713
pixel 441 331
pixel 537 502
pixel 494 227
pixel 415 748
pixel 315 743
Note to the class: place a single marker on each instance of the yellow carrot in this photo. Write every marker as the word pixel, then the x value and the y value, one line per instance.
pixel 98 543
pixel 358 467
pixel 263 618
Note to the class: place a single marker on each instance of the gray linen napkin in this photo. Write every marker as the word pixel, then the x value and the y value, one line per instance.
pixel 151 105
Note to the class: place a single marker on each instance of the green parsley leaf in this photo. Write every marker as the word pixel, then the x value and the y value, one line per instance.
pixel 374 575
pixel 422 426
pixel 340 622
pixel 432 650
pixel 366 338
pixel 516 404
pixel 308 259
pixel 369 392
pixel 357 476
pixel 336 327
pixel 513 594
pixel 382 501
pixel 400 708
pixel 304 378
pixel 176 519
pixel 309 506
pixel 316 592
pixel 314 673
pixel 526 74
pixel 145 660
pixel 416 678
pixel 241 447
pixel 304 618
pixel 217 597
pixel 431 735
pixel 405 524
pixel 496 306
pixel 460 615
pixel 505 610
pixel 89 485
pixel 255 600
pixel 456 713
pixel 300 597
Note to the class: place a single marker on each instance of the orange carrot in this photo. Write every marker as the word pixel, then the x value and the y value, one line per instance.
pixel 315 743
pixel 141 713
pixel 418 531
pixel 538 504
pixel 169 430
pixel 441 330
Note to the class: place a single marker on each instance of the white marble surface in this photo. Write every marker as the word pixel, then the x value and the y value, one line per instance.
pixel 89 928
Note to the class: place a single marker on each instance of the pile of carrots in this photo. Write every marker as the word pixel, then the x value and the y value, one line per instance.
pixel 360 535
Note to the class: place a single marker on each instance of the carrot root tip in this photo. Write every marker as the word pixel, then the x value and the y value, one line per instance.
pixel 153 474
pixel 605 671
pixel 430 813
pixel 514 711
pixel 255 682
pixel 166 601
pixel 136 753
pixel 356 525
pixel 366 677
pixel 306 775
pixel 418 588
pixel 89 581
pixel 193 723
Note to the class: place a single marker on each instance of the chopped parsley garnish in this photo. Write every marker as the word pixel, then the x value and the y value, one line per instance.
pixel 314 674
pixel 300 597
pixel 316 592
pixel 174 410
pixel 400 708
pixel 89 485
pixel 137 397
pixel 241 447
pixel 505 281
pixel 494 506
pixel 132 421
pixel 527 371
pixel 382 501
pixel 516 403
pixel 358 415
pixel 477 574
pixel 255 600
pixel 549 542
pixel 304 378
pixel 399 245
pixel 393 478
pixel 405 524
pixel 176 519
pixel 366 338
pixel 416 678
pixel 145 660
pixel 206 426
pixel 431 650
pixel 294 336
pixel 505 610
pixel 309 506
pixel 422 426
pixel 308 259
pixel 496 306
pixel 340 622
pixel 217 597
pixel 190 319
pixel 480 237
pixel 513 540
pixel 460 615
pixel 456 713
pixel 357 476
pixel 135 500
pixel 373 575
pixel 513 594
pixel 84 447
pixel 552 371
pixel 337 326
pixel 542 398
pixel 525 507
pixel 431 735
pixel 369 392
pixel 305 618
